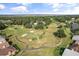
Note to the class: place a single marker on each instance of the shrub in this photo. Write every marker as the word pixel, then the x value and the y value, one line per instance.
pixel 60 33
pixel 2 26
pixel 59 51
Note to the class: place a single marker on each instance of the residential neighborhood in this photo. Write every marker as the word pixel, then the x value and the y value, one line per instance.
pixel 73 49
pixel 5 48
pixel 39 35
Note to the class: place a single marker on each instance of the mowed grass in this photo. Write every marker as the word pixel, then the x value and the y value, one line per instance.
pixel 38 52
pixel 65 42
pixel 15 30
pixel 47 40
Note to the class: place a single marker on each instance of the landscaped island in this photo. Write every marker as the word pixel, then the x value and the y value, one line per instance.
pixel 37 35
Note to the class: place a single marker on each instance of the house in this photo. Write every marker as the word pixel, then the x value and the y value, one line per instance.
pixel 73 49
pixel 68 52
pixel 5 48
pixel 7 51
pixel 74 26
pixel 75 37
pixel 75 45
pixel 4 45
pixel 2 39
pixel 73 20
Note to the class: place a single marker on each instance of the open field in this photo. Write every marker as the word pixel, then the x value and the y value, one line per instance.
pixel 37 42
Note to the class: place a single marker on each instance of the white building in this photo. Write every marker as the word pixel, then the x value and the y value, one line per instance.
pixel 68 52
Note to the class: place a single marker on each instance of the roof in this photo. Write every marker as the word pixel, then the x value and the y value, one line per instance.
pixel 4 45
pixel 68 52
pixel 73 18
pixel 6 51
pixel 2 38
pixel 75 37
pixel 75 26
pixel 75 47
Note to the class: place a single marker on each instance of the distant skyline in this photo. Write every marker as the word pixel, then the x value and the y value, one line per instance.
pixel 39 8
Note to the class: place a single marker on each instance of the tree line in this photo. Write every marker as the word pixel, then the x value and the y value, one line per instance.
pixel 37 22
pixel 29 21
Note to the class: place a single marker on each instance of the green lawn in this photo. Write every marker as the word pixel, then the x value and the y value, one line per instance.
pixel 38 52
pixel 65 42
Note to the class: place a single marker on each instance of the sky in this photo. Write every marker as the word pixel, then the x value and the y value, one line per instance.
pixel 39 8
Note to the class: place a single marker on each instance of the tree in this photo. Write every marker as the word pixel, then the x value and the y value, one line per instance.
pixel 40 25
pixel 59 50
pixel 10 42
pixel 2 26
pixel 60 33
pixel 62 18
pixel 27 21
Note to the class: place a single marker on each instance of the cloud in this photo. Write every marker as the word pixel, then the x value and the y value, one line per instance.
pixel 74 10
pixel 64 8
pixel 22 3
pixel 25 4
pixel 2 7
pixel 47 8
pixel 19 9
pixel 55 6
